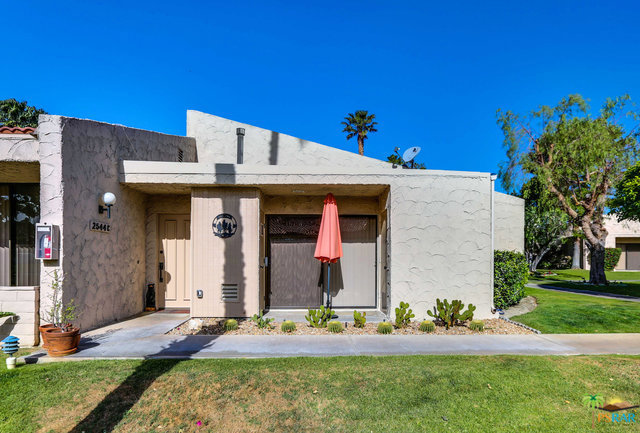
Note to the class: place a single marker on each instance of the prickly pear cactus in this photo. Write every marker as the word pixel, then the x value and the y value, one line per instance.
pixel 359 319
pixel 427 326
pixel 288 326
pixel 230 325
pixel 403 315
pixel 335 327
pixel 449 314
pixel 319 318
pixel 385 328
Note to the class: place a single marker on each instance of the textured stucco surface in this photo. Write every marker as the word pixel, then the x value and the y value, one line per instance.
pixel 509 222
pixel 620 229
pixel 18 147
pixel 103 273
pixel 23 301
pixel 217 143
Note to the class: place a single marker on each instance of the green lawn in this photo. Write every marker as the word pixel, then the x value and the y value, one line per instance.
pixel 569 313
pixel 565 278
pixel 347 394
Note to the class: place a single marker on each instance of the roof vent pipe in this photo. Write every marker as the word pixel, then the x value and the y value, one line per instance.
pixel 240 134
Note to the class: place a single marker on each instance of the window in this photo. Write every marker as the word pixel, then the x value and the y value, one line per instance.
pixel 19 212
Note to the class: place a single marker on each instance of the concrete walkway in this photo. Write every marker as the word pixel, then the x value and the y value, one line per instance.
pixel 143 338
pixel 585 292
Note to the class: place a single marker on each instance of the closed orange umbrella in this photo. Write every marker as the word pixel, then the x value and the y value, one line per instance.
pixel 329 245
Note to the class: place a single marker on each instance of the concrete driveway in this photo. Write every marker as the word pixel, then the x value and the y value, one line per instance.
pixel 144 338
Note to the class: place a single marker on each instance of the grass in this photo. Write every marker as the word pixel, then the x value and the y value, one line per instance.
pixel 572 279
pixel 345 394
pixel 570 313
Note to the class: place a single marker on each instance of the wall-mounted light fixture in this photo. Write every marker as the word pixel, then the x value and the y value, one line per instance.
pixel 107 200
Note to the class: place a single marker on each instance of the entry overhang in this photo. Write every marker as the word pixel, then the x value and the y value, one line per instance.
pixel 180 177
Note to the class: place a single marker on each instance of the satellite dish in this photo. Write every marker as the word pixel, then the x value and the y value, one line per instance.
pixel 410 153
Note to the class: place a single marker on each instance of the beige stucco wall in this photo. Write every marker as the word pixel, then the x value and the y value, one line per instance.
pixel 509 222
pixel 233 260
pixel 79 160
pixel 23 301
pixel 620 229
pixel 18 147
pixel 217 143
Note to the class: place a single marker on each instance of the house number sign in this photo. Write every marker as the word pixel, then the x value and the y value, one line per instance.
pixel 99 226
pixel 224 225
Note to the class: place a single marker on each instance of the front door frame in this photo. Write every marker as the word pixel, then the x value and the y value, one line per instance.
pixel 162 274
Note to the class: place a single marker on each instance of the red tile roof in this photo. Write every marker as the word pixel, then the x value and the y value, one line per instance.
pixel 16 130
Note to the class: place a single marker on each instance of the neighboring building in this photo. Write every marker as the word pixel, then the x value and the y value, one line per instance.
pixel 624 235
pixel 222 238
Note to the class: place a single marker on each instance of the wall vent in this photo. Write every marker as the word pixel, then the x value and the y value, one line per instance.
pixel 230 293
pixel 180 155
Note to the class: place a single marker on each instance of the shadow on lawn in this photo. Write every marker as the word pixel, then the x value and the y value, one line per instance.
pixel 110 411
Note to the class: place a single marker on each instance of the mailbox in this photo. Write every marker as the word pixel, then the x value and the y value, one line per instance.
pixel 47 242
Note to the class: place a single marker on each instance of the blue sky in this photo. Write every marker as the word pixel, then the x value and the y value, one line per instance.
pixel 433 73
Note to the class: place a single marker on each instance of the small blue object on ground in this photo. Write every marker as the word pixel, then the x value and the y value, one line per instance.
pixel 10 345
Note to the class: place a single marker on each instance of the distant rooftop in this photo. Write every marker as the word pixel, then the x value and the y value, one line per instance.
pixel 17 130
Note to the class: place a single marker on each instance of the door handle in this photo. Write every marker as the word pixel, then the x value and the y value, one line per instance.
pixel 160 271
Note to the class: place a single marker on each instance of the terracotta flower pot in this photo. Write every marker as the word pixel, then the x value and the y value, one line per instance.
pixel 43 336
pixel 62 343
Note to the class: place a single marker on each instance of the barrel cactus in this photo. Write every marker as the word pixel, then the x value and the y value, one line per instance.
pixel 427 326
pixel 230 325
pixel 288 326
pixel 476 325
pixel 385 328
pixel 335 327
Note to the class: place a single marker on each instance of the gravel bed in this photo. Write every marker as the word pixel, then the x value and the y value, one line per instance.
pixel 213 326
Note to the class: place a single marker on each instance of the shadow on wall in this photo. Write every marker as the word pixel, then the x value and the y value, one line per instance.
pixel 112 409
pixel 273 148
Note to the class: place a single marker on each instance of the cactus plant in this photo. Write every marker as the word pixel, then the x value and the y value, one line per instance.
pixel 335 327
pixel 449 314
pixel 319 318
pixel 261 321
pixel 359 319
pixel 385 328
pixel 403 315
pixel 230 325
pixel 476 325
pixel 288 326
pixel 427 326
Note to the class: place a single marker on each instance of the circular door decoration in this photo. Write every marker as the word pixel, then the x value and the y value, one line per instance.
pixel 224 225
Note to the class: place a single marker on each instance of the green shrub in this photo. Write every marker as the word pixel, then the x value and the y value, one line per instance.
pixel 403 315
pixel 359 319
pixel 260 320
pixel 611 258
pixel 476 325
pixel 230 325
pixel 511 273
pixel 6 313
pixel 385 328
pixel 288 326
pixel 334 326
pixel 319 318
pixel 427 326
pixel 449 314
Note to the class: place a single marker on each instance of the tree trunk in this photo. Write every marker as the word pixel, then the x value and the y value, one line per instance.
pixel 536 259
pixel 596 274
pixel 360 145
pixel 575 261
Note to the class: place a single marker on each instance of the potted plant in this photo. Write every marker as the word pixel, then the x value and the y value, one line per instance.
pixel 60 337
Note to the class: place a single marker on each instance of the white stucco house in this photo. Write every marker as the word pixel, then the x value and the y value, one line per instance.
pixel 223 223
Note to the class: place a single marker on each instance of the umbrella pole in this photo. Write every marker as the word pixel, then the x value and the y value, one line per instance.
pixel 328 285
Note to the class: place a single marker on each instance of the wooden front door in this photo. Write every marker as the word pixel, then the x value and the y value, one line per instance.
pixel 174 260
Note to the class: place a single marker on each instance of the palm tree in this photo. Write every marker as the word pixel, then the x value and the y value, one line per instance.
pixel 359 124
pixel 593 402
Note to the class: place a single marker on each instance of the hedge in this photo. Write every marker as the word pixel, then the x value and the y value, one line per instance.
pixel 611 257
pixel 511 274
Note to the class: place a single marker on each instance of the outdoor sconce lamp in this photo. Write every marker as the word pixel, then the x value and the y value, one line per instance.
pixel 108 199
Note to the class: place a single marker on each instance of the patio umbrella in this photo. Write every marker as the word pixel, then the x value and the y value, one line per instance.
pixel 329 245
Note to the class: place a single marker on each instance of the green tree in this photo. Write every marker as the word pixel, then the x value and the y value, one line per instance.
pixel 15 113
pixel 626 201
pixel 576 157
pixel 359 125
pixel 396 159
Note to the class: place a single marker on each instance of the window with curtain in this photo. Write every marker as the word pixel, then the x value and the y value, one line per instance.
pixel 19 213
